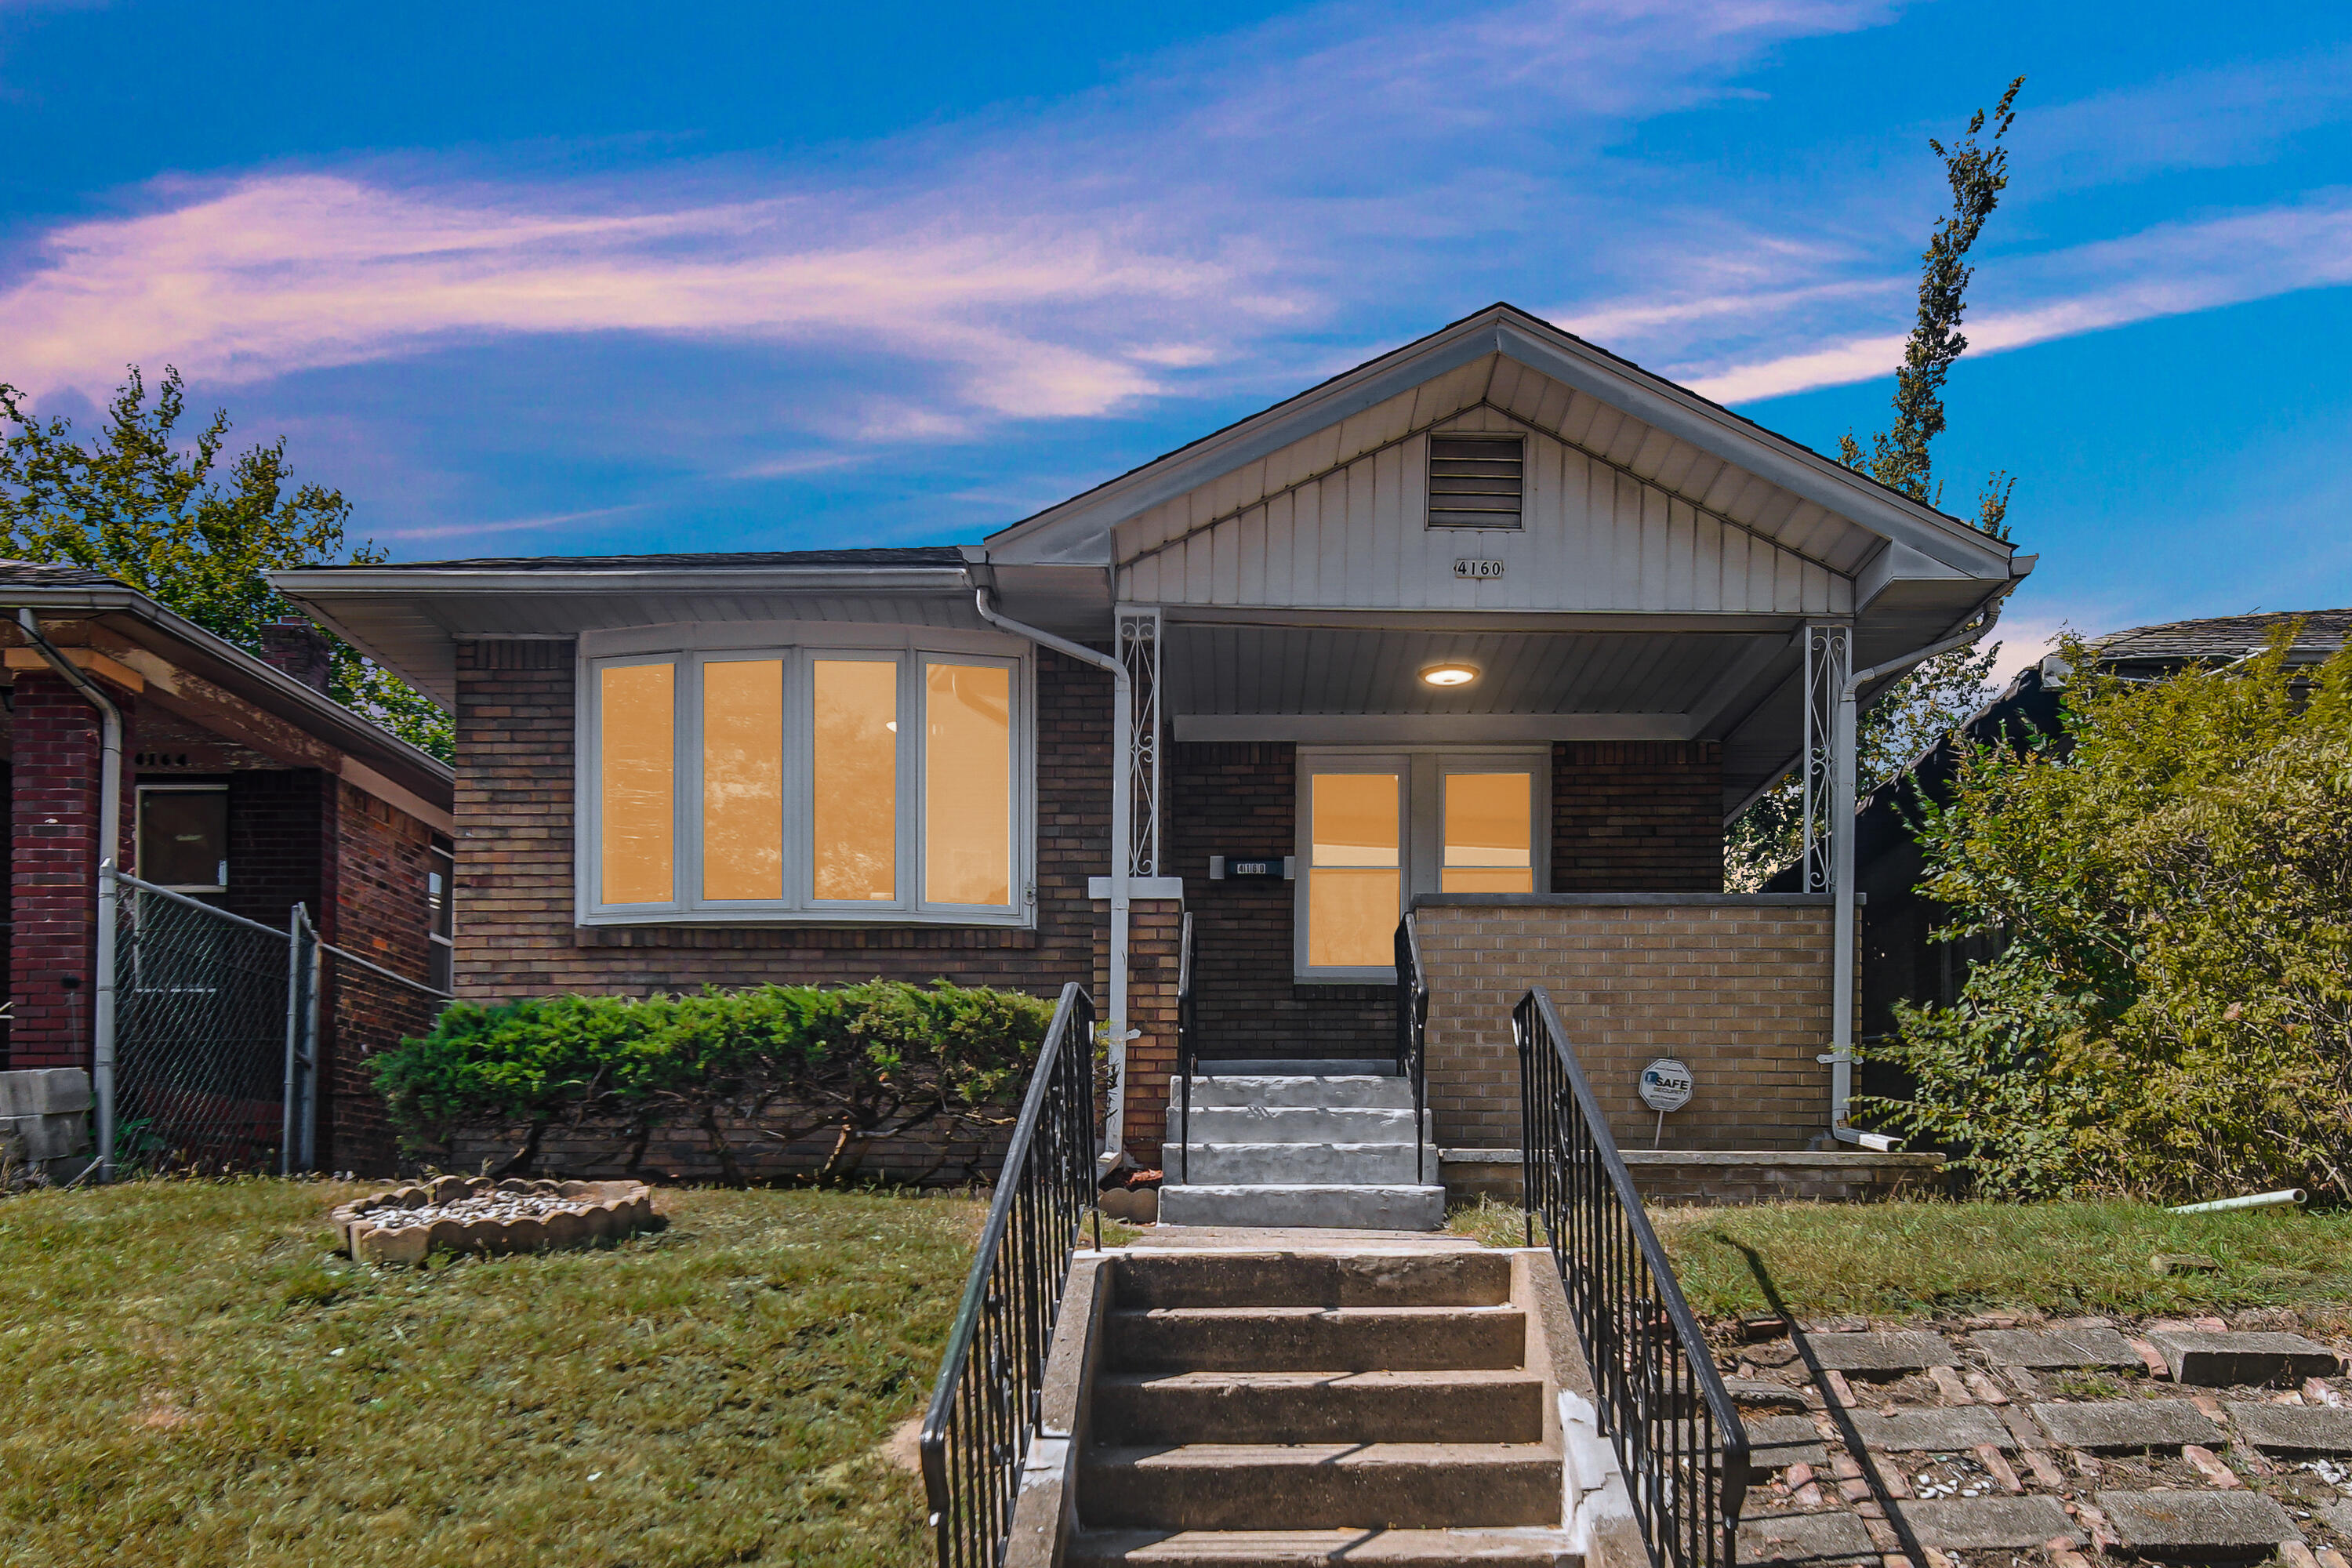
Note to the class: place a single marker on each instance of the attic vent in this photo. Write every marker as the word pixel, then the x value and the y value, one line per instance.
pixel 1474 481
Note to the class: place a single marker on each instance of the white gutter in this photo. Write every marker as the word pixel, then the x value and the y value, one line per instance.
pixel 109 837
pixel 1842 963
pixel 1122 805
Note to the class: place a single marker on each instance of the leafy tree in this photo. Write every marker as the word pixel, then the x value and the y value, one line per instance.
pixel 2171 1013
pixel 143 504
pixel 1938 695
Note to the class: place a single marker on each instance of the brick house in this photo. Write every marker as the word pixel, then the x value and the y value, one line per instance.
pixel 1497 629
pixel 243 786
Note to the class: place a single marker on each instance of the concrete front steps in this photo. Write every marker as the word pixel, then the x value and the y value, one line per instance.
pixel 1321 1144
pixel 1276 1410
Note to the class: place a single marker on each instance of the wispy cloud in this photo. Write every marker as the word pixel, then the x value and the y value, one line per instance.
pixel 2168 270
pixel 519 524
pixel 1066 263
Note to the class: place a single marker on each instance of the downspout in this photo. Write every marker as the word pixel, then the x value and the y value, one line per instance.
pixel 109 838
pixel 1841 808
pixel 1122 808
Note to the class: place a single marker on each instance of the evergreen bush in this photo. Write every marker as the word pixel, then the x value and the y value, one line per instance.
pixel 2171 1013
pixel 868 1061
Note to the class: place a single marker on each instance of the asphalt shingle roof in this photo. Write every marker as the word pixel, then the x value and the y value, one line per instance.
pixel 47 574
pixel 2224 637
pixel 898 556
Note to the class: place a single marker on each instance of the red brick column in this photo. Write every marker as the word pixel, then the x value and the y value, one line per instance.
pixel 1154 940
pixel 53 833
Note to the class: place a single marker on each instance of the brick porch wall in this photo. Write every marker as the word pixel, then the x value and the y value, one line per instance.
pixel 1735 985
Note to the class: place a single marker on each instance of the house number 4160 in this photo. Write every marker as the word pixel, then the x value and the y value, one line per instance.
pixel 1465 567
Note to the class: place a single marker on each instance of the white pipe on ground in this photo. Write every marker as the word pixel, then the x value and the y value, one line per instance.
pixel 1122 807
pixel 109 834
pixel 1841 940
pixel 2250 1201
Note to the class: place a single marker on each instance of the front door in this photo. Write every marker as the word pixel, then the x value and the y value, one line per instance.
pixel 1375 828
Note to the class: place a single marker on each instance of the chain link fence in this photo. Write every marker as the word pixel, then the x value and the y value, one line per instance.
pixel 215 1023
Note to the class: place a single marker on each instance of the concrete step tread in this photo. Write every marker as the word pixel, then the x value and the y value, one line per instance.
pixel 1405 1140
pixel 1243 1314
pixel 1523 1546
pixel 1292 1090
pixel 1464 1378
pixel 1295 1067
pixel 1238 1457
pixel 1390 1189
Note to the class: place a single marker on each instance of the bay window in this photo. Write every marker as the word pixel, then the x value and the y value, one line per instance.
pixel 824 782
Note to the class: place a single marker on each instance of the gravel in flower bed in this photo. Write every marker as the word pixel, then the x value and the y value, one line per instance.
pixel 488 1205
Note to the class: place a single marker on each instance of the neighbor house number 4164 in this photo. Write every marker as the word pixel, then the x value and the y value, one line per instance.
pixel 1465 567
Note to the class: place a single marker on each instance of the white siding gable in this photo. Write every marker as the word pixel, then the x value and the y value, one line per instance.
pixel 1619 517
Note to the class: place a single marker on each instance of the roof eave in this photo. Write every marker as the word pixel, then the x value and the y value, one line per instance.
pixel 1505 330
pixel 348 730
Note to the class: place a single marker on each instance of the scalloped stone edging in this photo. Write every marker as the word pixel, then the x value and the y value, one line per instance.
pixel 593 1211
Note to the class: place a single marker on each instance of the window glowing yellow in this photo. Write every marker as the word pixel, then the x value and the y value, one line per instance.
pixel 638 722
pixel 854 761
pixel 968 783
pixel 743 779
pixel 1353 879
pixel 1489 833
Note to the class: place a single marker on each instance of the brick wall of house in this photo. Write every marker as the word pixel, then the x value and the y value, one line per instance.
pixel 1735 985
pixel 375 906
pixel 1627 816
pixel 516 934
pixel 1637 816
pixel 1240 799
pixel 53 866
pixel 277 837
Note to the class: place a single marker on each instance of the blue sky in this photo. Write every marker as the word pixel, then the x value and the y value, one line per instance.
pixel 539 279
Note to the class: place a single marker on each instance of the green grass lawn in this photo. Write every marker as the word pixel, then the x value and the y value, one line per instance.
pixel 188 1377
pixel 1914 1258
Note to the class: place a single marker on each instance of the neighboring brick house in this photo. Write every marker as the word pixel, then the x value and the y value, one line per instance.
pixel 1497 622
pixel 245 787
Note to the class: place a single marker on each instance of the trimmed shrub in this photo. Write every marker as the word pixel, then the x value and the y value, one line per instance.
pixel 865 1062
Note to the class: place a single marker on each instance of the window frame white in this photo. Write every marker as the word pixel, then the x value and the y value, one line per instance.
pixel 1421 771
pixel 797 646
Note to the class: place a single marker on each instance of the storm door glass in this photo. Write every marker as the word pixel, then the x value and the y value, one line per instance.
pixel 637 721
pixel 967 784
pixel 1489 833
pixel 743 779
pixel 854 763
pixel 1355 887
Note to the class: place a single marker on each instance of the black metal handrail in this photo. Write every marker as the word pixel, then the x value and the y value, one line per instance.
pixel 1661 1399
pixel 1188 1047
pixel 984 1407
pixel 1413 1036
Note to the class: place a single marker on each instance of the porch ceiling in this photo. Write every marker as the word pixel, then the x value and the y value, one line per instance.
pixel 1245 669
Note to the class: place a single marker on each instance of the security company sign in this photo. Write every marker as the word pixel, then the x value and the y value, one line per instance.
pixel 1666 1085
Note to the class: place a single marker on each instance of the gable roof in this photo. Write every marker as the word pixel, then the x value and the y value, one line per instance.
pixel 2225 638
pixel 1678 432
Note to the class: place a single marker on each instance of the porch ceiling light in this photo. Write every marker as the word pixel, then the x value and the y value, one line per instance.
pixel 1452 672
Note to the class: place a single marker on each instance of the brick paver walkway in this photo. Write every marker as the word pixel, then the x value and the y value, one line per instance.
pixel 1996 1441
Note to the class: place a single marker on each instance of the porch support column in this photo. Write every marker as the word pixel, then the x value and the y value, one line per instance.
pixel 1831 732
